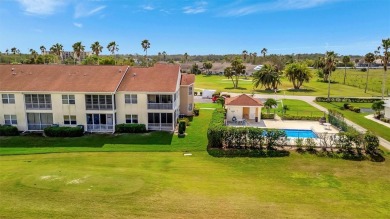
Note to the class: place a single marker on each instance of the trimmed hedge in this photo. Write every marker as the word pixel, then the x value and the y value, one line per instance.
pixel 130 128
pixel 310 118
pixel 63 131
pixel 8 130
pixel 347 99
pixel 246 153
pixel 196 112
pixel 268 116
pixel 337 119
pixel 182 127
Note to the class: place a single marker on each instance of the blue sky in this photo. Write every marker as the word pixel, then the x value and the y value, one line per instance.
pixel 198 27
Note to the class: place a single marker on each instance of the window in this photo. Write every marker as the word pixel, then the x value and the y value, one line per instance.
pixel 190 90
pixel 68 99
pixel 190 107
pixel 10 120
pixel 8 98
pixel 38 101
pixel 131 118
pixel 98 102
pixel 70 120
pixel 39 121
pixel 131 98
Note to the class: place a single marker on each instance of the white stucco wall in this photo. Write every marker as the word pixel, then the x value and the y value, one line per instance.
pixel 387 109
pixel 237 111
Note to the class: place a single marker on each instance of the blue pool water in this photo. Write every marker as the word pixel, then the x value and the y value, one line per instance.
pixel 298 133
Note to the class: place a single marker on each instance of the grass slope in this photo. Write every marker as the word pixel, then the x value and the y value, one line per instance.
pixel 298 108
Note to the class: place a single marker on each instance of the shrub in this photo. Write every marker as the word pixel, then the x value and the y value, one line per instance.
pixel 371 143
pixel 347 99
pixel 268 116
pixel 363 70
pixel 346 105
pixel 385 120
pixel 186 120
pixel 246 153
pixel 8 130
pixel 182 127
pixel 55 131
pixel 130 128
pixel 196 111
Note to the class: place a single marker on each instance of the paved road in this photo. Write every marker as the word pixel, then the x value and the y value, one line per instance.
pixel 309 100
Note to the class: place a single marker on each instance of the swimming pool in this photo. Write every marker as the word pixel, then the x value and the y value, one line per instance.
pixel 300 133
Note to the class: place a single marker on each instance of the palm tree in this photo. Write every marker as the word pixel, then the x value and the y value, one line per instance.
pixel 57 50
pixel 369 58
pixel 33 54
pixel 254 57
pixel 185 57
pixel 264 51
pixel 233 72
pixel 270 103
pixel 113 47
pixel 346 60
pixel 268 76
pixel 96 49
pixel 43 49
pixel 244 55
pixel 330 65
pixel 207 65
pixel 159 56
pixel 6 51
pixel 297 73
pixel 78 48
pixel 164 55
pixel 145 45
pixel 14 51
pixel 385 61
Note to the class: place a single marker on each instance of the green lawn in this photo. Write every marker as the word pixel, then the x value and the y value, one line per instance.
pixel 313 88
pixel 145 176
pixel 298 108
pixel 359 119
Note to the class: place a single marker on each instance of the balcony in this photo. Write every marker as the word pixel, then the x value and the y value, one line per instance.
pixel 165 106
pixel 43 106
pixel 160 126
pixel 99 106
pixel 100 128
pixel 37 126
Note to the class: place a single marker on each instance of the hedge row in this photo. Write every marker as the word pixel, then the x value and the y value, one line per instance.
pixel 130 128
pixel 310 118
pixel 337 119
pixel 63 131
pixel 347 99
pixel 247 153
pixel 352 108
pixel 385 120
pixel 7 130
pixel 268 116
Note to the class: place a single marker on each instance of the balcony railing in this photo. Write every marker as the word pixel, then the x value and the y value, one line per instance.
pixel 100 128
pixel 44 106
pixel 160 126
pixel 166 106
pixel 99 106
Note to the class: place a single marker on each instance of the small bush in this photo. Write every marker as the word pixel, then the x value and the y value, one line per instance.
pixel 310 118
pixel 346 105
pixel 347 99
pixel 363 70
pixel 182 127
pixel 196 112
pixel 63 131
pixel 268 116
pixel 130 128
pixel 7 130
pixel 186 120
pixel 385 120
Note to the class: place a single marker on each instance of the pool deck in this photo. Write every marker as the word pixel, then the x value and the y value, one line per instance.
pixel 278 123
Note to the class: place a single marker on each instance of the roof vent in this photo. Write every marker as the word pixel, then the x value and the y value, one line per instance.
pixel 134 74
pixel 120 70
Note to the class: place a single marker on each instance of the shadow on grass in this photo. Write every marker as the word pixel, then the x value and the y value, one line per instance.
pixel 238 88
pixel 88 140
pixel 217 152
pixel 300 90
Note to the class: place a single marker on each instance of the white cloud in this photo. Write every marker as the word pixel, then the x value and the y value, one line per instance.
pixel 84 11
pixel 147 7
pixel 79 25
pixel 279 5
pixel 41 7
pixel 199 7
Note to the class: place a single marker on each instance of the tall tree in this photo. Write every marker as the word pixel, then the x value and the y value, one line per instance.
pixel 233 72
pixel 164 55
pixel 385 61
pixel 244 55
pixel 34 54
pixel 159 56
pixel 185 57
pixel 96 49
pixel 207 65
pixel 346 60
pixel 14 51
pixel 254 57
pixel 268 76
pixel 43 49
pixel 113 47
pixel 145 45
pixel 78 48
pixel 330 65
pixel 264 52
pixel 57 50
pixel 298 73
pixel 369 58
pixel 270 103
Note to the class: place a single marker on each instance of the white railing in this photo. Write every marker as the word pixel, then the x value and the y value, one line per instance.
pixel 44 106
pixel 38 126
pixel 160 126
pixel 167 106
pixel 99 106
pixel 100 128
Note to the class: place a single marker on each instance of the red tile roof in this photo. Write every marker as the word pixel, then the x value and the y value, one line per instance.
pixel 187 79
pixel 60 78
pixel 243 100
pixel 159 78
